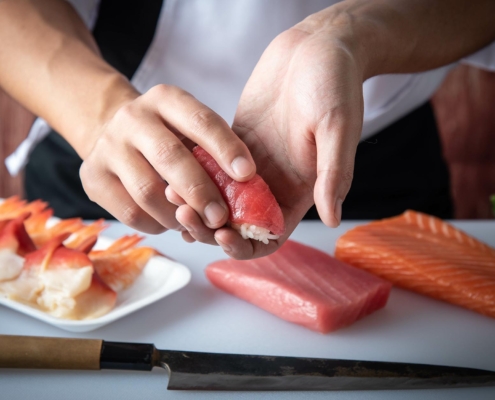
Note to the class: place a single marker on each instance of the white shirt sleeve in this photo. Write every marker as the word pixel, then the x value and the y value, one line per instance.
pixel 484 58
pixel 87 10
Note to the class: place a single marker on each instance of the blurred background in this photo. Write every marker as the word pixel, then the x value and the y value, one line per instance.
pixel 465 109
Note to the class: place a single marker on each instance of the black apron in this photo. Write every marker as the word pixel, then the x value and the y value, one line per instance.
pixel 399 168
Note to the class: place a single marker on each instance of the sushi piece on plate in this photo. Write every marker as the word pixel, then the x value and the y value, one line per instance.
pixel 422 253
pixel 14 244
pixel 85 234
pixel 303 285
pixel 65 226
pixel 13 236
pixel 121 264
pixel 61 282
pixel 13 207
pixel 254 211
pixel 36 223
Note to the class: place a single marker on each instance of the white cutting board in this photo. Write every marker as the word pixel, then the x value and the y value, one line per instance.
pixel 411 328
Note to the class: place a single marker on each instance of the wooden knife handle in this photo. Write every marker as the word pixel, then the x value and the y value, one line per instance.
pixel 49 353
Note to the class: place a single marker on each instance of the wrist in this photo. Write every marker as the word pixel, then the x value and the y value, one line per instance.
pixel 355 32
pixel 115 91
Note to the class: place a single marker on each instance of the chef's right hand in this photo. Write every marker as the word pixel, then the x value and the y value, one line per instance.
pixel 140 151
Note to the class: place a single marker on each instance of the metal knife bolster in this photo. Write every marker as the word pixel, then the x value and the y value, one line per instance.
pixel 129 356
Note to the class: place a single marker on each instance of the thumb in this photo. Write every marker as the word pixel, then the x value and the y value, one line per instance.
pixel 337 137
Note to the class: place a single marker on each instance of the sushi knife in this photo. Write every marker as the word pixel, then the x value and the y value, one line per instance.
pixel 213 371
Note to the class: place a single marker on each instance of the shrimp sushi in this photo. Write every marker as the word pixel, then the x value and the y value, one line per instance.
pixel 254 211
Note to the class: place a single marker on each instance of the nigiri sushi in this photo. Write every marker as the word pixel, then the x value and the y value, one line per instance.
pixel 62 282
pixel 121 264
pixel 14 244
pixel 254 211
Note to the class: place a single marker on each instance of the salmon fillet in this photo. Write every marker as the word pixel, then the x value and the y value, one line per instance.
pixel 303 285
pixel 427 255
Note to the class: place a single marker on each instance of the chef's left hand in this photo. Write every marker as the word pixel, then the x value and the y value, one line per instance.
pixel 301 115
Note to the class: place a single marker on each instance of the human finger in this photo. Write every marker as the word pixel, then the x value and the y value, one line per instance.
pixel 187 237
pixel 236 247
pixel 190 220
pixel 173 197
pixel 337 137
pixel 146 188
pixel 186 115
pixel 175 164
pixel 125 209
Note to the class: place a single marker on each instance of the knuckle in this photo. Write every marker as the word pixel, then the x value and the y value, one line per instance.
pixel 89 179
pixel 159 90
pixel 131 215
pixel 127 118
pixel 147 192
pixel 202 121
pixel 126 112
pixel 196 191
pixel 168 153
pixel 85 172
pixel 163 90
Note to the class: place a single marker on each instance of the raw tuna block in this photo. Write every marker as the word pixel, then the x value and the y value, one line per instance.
pixel 303 285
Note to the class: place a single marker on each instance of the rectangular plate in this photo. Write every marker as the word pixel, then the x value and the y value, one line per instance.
pixel 159 278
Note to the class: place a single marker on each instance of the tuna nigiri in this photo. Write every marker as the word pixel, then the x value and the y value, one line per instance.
pixel 254 211
pixel 303 285
pixel 427 255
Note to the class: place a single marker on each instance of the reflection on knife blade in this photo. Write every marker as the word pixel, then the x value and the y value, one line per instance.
pixel 213 371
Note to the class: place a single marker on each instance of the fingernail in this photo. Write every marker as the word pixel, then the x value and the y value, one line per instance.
pixel 224 246
pixel 186 228
pixel 338 210
pixel 242 167
pixel 214 213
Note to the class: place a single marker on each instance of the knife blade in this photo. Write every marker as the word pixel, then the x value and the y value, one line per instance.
pixel 215 371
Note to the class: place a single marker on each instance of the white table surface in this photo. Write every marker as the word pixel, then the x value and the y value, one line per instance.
pixel 411 328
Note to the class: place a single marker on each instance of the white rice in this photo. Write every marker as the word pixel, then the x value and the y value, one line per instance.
pixel 249 231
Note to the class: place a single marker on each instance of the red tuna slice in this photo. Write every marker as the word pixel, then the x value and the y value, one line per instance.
pixel 249 202
pixel 303 285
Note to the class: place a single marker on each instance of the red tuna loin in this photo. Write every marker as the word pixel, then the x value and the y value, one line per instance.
pixel 303 285
pixel 250 202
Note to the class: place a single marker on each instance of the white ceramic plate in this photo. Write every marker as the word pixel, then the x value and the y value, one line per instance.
pixel 160 277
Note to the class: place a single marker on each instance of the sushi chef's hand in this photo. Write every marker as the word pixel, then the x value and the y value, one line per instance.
pixel 301 115
pixel 139 150
pixel 130 143
pixel 301 111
